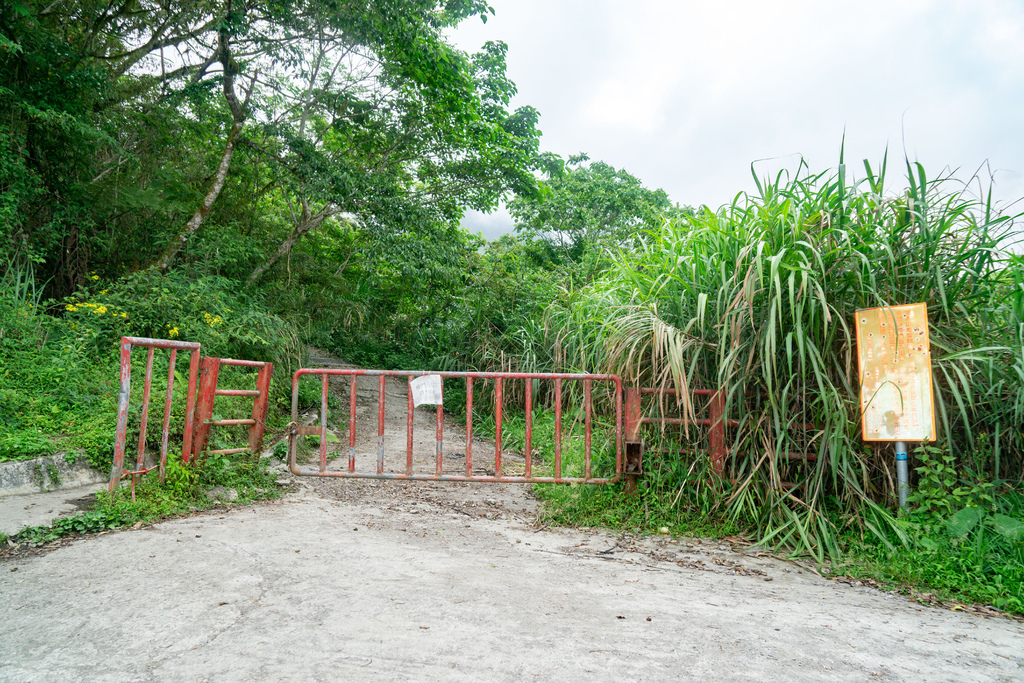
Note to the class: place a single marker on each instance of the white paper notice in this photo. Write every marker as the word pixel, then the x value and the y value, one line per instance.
pixel 427 389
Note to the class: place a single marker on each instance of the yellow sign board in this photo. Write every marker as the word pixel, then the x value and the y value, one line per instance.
pixel 895 364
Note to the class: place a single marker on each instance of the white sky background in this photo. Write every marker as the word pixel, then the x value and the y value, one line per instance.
pixel 685 95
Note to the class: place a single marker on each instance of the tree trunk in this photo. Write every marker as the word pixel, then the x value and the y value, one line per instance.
pixel 194 223
pixel 305 226
pixel 238 112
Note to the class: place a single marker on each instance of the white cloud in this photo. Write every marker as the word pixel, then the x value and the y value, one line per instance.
pixel 686 95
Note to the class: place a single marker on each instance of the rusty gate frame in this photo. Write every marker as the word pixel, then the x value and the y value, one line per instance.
pixel 199 397
pixel 124 396
pixel 295 430
pixel 208 391
pixel 716 422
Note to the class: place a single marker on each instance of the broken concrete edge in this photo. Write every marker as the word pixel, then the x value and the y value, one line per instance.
pixel 65 470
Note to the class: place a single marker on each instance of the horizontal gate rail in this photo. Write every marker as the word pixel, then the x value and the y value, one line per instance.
pixel 499 476
pixel 208 392
pixel 124 396
pixel 715 421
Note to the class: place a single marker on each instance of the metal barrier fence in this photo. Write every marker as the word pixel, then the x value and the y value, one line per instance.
pixel 127 344
pixel 208 391
pixel 715 422
pixel 198 412
pixel 296 430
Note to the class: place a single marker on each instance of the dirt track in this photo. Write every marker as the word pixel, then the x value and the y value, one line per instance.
pixel 380 580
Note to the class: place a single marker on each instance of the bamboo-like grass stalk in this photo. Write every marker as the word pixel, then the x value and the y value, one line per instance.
pixel 757 298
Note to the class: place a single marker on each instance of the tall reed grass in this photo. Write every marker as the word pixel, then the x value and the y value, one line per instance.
pixel 758 297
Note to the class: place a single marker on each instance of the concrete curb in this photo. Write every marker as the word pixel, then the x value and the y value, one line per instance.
pixel 51 473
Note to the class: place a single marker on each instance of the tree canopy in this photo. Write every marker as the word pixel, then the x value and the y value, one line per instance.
pixel 585 205
pixel 130 124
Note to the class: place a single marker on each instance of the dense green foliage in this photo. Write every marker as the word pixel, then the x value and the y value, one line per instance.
pixel 758 298
pixel 586 208
pixel 130 127
pixel 59 374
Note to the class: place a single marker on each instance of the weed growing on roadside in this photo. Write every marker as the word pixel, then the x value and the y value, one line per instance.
pixel 183 492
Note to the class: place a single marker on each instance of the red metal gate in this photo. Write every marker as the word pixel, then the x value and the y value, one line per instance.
pixel 127 344
pixel 716 423
pixel 198 418
pixel 615 395
pixel 208 391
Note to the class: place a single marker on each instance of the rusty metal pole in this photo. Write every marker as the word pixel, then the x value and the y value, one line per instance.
pixel 469 426
pixel 259 409
pixel 165 431
pixel 634 447
pixel 716 435
pixel 204 405
pixel 190 405
pixel 528 446
pixel 123 398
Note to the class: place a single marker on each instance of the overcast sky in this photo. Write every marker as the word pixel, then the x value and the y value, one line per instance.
pixel 686 95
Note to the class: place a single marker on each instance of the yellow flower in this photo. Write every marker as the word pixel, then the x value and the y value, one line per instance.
pixel 95 277
pixel 101 310
pixel 104 291
pixel 71 307
pixel 173 332
pixel 123 314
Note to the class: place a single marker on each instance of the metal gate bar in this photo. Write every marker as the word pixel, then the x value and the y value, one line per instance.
pixel 716 422
pixel 499 476
pixel 208 391
pixel 124 396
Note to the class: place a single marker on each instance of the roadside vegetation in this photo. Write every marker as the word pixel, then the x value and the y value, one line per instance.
pixel 297 176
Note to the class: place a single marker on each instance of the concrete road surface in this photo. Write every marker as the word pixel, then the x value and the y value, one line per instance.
pixel 358 581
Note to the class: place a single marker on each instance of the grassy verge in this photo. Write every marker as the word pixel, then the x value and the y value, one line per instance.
pixel 183 492
pixel 961 550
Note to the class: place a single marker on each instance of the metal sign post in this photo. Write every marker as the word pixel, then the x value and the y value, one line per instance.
pixel 896 402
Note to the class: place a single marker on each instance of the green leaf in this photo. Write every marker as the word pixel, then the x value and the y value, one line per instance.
pixel 959 524
pixel 1008 527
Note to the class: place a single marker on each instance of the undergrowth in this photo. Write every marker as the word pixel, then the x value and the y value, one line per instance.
pixel 183 492
pixel 59 364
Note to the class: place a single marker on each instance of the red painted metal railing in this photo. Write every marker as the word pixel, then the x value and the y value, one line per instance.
pixel 716 422
pixel 498 378
pixel 208 392
pixel 120 439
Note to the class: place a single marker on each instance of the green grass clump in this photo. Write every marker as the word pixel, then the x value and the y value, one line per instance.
pixel 55 393
pixel 183 492
pixel 975 555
